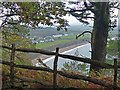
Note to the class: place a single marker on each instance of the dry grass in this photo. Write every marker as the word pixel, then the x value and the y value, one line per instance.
pixel 48 77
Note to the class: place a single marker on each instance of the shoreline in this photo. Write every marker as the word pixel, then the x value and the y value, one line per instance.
pixel 72 47
pixel 61 50
pixel 82 45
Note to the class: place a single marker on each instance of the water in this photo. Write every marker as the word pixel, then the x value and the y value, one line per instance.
pixel 80 51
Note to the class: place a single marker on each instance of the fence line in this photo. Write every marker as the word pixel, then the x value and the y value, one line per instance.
pixel 65 74
pixel 30 50
pixel 74 58
pixel 87 60
pixel 54 71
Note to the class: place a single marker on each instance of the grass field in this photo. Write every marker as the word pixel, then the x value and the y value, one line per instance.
pixel 48 44
pixel 69 37
pixel 63 40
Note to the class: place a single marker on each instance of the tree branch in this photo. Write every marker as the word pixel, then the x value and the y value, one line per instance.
pixel 91 2
pixel 89 8
pixel 83 34
pixel 40 61
pixel 73 10
pixel 112 5
pixel 113 26
pixel 83 21
pixel 82 15
pixel 8 15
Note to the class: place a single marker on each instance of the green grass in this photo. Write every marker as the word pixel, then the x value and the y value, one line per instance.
pixel 48 44
pixel 23 62
pixel 74 37
pixel 20 57
pixel 63 40
pixel 69 37
pixel 113 47
pixel 85 36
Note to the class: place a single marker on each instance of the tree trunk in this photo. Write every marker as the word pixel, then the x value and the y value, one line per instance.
pixel 100 32
pixel 119 43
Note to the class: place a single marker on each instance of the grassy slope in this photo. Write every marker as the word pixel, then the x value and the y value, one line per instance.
pixel 63 40
pixel 48 77
pixel 44 76
pixel 47 44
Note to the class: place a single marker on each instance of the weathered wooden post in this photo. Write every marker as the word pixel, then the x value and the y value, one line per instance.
pixel 55 69
pixel 12 58
pixel 115 74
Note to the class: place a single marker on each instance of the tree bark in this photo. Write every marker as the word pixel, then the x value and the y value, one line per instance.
pixel 100 33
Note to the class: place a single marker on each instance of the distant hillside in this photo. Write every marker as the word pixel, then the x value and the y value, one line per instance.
pixel 49 31
pixel 80 28
pixel 43 32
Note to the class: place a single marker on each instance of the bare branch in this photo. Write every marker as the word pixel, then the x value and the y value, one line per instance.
pixel 15 23
pixel 80 10
pixel 115 5
pixel 83 34
pixel 4 22
pixel 113 26
pixel 8 15
pixel 89 8
pixel 91 2
pixel 83 21
pixel 40 61
pixel 88 17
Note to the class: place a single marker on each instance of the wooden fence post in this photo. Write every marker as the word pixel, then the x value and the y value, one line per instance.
pixel 115 74
pixel 12 58
pixel 55 69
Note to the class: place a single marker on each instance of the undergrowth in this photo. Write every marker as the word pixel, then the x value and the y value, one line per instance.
pixel 47 78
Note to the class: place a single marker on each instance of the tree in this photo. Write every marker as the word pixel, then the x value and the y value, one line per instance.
pixel 50 13
pixel 16 34
pixel 100 32
pixel 102 24
pixel 33 13
pixel 17 17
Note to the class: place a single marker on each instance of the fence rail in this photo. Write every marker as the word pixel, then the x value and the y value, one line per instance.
pixel 55 71
pixel 74 58
pixel 65 74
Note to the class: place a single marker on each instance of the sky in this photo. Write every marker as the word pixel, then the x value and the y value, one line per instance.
pixel 72 20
